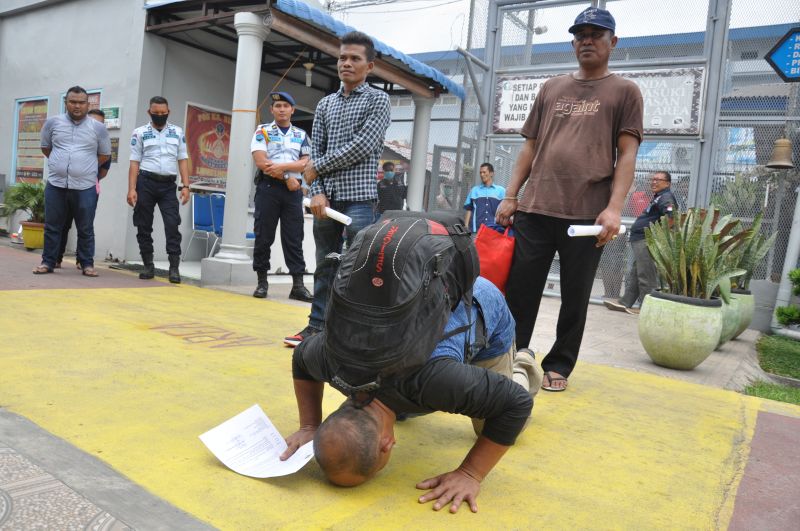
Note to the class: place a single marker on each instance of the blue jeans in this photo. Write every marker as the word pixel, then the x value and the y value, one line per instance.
pixel 329 235
pixel 59 202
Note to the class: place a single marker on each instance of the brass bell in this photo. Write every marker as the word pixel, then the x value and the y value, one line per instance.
pixel 781 158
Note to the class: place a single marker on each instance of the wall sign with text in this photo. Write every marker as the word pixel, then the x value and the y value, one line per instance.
pixel 672 100
pixel 29 164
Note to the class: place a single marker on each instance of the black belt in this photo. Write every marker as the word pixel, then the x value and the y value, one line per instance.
pixel 261 176
pixel 156 177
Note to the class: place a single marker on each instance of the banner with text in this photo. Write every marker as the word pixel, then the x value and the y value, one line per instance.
pixel 672 100
pixel 208 137
pixel 31 116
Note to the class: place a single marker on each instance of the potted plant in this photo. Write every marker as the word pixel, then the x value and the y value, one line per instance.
pixel 753 250
pixel 680 325
pixel 27 197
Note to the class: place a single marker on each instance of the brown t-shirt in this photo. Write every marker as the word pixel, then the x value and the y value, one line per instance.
pixel 576 125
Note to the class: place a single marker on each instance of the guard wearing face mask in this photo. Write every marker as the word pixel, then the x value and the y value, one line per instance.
pixel 158 154
pixel 280 152
pixel 391 191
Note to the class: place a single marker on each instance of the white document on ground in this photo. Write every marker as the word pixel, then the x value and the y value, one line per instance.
pixel 249 444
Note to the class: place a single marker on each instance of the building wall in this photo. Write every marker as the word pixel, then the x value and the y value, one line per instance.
pixel 92 43
pixel 111 52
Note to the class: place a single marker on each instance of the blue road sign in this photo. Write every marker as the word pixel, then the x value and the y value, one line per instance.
pixel 784 57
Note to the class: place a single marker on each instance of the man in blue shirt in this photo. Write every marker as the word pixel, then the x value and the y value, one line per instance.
pixel 75 146
pixel 483 199
pixel 102 171
pixel 488 381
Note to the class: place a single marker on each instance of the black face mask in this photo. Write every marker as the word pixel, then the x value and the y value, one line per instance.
pixel 159 120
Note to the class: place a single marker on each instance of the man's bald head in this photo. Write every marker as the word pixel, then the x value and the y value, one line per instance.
pixel 347 446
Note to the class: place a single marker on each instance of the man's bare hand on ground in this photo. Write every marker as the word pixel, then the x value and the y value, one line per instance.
pixel 318 204
pixel 610 220
pixel 296 440
pixel 454 488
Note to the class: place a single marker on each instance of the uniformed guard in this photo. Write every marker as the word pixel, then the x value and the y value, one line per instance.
pixel 280 151
pixel 158 153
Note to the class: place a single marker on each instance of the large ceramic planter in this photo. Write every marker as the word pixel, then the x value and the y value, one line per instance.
pixel 730 319
pixel 33 235
pixel 679 332
pixel 747 304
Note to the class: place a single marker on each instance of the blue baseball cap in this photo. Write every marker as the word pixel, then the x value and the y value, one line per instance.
pixel 281 96
pixel 593 16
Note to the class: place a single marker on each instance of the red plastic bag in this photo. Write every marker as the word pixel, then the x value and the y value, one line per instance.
pixel 495 251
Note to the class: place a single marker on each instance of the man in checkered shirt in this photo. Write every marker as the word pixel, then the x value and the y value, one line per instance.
pixel 346 145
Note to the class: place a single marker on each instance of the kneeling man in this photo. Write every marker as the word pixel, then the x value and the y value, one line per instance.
pixel 484 378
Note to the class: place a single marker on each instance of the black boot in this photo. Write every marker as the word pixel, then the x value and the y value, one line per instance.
pixel 149 269
pixel 299 291
pixel 263 285
pixel 174 273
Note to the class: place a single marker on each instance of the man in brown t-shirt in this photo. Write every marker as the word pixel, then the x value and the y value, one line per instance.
pixel 581 140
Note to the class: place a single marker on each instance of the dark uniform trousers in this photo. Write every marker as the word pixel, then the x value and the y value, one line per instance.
pixel 150 193
pixel 274 202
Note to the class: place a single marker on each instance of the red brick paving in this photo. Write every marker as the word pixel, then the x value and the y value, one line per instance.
pixel 769 494
pixel 16 265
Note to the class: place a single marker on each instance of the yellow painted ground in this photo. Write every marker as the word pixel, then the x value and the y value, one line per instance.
pixel 133 376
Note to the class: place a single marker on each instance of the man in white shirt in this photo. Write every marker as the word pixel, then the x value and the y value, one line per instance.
pixel 158 153
pixel 280 151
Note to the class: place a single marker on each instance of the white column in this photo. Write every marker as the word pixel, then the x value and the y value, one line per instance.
pixel 419 152
pixel 231 263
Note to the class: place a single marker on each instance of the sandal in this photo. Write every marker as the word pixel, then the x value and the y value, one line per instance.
pixel 42 269
pixel 547 383
pixel 90 272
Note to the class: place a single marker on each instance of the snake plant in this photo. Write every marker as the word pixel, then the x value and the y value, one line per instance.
pixel 752 251
pixel 697 253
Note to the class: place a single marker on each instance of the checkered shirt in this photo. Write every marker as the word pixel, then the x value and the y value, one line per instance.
pixel 347 143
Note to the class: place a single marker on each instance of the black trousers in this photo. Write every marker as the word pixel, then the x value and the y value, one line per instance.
pixel 151 193
pixel 537 240
pixel 274 202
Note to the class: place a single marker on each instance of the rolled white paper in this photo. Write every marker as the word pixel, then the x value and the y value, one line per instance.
pixel 589 230
pixel 333 214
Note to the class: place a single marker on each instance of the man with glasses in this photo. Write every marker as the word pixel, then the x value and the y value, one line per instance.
pixel 158 153
pixel 75 146
pixel 642 277
pixel 581 139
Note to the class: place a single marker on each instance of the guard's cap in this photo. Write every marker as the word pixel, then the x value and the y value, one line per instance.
pixel 594 16
pixel 281 96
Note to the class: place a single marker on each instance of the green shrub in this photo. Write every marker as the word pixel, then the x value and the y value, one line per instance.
pixel 25 197
pixel 788 315
pixel 794 276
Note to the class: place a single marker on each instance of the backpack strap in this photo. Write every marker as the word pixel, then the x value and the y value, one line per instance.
pixel 471 348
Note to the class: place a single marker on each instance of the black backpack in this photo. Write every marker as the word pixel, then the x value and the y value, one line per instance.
pixel 393 294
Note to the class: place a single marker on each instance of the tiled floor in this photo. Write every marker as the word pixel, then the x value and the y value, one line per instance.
pixel 30 498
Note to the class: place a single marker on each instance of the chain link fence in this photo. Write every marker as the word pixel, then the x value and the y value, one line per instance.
pixel 756 108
